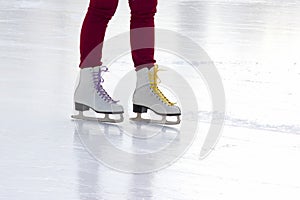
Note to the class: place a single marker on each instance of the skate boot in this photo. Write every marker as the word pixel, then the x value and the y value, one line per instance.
pixel 90 94
pixel 148 96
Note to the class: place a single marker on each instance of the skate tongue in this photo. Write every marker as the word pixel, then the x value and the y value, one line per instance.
pixel 103 69
pixel 154 81
pixel 98 81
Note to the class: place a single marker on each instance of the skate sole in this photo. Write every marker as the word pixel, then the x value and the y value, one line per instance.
pixel 143 109
pixel 81 107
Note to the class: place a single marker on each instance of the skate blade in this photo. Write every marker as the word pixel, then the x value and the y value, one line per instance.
pixel 163 121
pixel 105 119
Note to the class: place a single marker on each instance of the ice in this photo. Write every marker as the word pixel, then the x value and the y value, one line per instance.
pixel 255 46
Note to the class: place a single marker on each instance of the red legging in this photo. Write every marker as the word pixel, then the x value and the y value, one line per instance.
pixel 94 27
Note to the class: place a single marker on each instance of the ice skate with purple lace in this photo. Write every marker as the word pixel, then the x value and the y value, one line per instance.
pixel 90 94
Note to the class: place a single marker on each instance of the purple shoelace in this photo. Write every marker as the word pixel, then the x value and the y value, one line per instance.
pixel 98 80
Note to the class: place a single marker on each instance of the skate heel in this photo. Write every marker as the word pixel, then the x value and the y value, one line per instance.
pixel 139 109
pixel 81 107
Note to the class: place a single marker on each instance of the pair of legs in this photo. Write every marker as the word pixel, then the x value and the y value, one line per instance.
pixel 94 27
pixel 90 94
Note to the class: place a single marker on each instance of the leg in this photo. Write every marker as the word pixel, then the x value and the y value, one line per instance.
pixel 147 95
pixel 93 31
pixel 142 40
pixel 89 93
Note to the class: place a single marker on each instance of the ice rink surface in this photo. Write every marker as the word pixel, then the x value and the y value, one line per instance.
pixel 255 46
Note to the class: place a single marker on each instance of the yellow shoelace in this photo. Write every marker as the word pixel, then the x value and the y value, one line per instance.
pixel 154 80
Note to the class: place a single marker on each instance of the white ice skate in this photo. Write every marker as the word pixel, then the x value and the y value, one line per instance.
pixel 90 94
pixel 148 96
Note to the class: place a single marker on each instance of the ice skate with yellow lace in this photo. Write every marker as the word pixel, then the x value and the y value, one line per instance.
pixel 147 95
